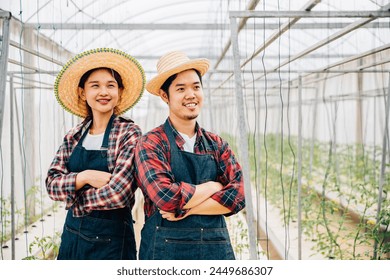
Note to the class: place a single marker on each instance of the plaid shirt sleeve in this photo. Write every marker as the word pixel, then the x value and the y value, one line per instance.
pixel 155 177
pixel 120 189
pixel 60 183
pixel 230 176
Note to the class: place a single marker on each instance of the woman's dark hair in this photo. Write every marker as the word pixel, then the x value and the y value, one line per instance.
pixel 169 81
pixel 114 74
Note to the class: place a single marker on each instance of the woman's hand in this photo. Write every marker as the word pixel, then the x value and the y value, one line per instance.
pixel 171 216
pixel 94 178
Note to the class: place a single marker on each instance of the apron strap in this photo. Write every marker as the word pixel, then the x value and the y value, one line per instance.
pixel 171 138
pixel 107 132
pixel 172 141
pixel 80 143
pixel 206 144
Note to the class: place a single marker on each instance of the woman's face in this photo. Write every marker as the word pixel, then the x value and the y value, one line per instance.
pixel 101 92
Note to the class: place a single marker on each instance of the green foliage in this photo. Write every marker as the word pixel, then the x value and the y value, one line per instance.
pixel 46 247
pixel 337 180
pixel 5 212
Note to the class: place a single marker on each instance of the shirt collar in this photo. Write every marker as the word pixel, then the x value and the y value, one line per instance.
pixel 179 139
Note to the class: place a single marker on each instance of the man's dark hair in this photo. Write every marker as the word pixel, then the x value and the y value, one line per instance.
pixel 169 81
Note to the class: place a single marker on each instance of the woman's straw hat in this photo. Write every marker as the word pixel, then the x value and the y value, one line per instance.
pixel 173 63
pixel 67 81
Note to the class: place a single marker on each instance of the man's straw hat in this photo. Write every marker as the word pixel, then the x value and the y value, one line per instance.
pixel 173 63
pixel 67 81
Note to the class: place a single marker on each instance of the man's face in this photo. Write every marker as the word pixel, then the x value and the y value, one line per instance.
pixel 185 96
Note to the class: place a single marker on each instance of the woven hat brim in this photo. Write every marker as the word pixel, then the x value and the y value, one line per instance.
pixel 131 72
pixel 154 85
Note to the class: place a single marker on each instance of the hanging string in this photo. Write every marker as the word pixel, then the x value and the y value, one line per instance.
pixel 285 222
pixel 292 176
pixel 251 136
pixel 39 124
pixel 265 140
pixel 255 136
pixel 24 162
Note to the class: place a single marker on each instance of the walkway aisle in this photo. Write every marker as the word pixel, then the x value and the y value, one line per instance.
pixel 283 240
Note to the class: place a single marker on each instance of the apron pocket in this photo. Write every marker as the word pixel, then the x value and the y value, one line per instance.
pixel 91 238
pixel 192 244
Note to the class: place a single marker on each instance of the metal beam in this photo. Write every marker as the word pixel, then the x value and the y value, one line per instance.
pixel 311 14
pixel 5 14
pixel 37 70
pixel 128 26
pixel 283 28
pixel 189 26
pixel 38 54
pixel 360 69
pixel 268 56
pixel 3 63
pixel 243 141
pixel 351 27
pixel 252 5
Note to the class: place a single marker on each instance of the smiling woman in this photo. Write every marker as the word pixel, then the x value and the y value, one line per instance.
pixel 101 89
pixel 92 170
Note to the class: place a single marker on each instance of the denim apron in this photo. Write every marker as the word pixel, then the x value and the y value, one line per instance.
pixel 105 234
pixel 197 237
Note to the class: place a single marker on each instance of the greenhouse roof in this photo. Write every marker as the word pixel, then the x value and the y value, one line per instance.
pixel 147 30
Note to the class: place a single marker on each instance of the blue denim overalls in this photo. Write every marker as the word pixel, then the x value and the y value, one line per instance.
pixel 197 237
pixel 105 234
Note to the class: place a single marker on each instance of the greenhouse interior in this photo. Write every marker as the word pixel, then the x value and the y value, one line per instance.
pixel 304 88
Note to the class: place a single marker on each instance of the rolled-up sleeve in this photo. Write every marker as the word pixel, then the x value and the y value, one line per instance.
pixel 60 183
pixel 230 175
pixel 156 178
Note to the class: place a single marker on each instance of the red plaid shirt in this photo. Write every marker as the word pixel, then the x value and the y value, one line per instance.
pixel 155 178
pixel 119 192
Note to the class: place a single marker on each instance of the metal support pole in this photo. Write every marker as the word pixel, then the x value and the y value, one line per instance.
pixel 299 214
pixel 3 64
pixel 12 156
pixel 314 125
pixel 383 166
pixel 211 119
pixel 243 142
pixel 359 110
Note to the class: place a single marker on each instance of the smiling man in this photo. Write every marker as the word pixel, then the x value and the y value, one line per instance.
pixel 189 177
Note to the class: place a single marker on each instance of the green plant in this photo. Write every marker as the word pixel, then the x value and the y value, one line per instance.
pixel 337 180
pixel 47 247
pixel 5 213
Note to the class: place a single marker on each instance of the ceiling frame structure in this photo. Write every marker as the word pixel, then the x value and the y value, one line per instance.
pixel 189 26
pixel 364 20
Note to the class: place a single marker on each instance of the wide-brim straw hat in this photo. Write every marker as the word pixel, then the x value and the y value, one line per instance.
pixel 67 81
pixel 173 63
